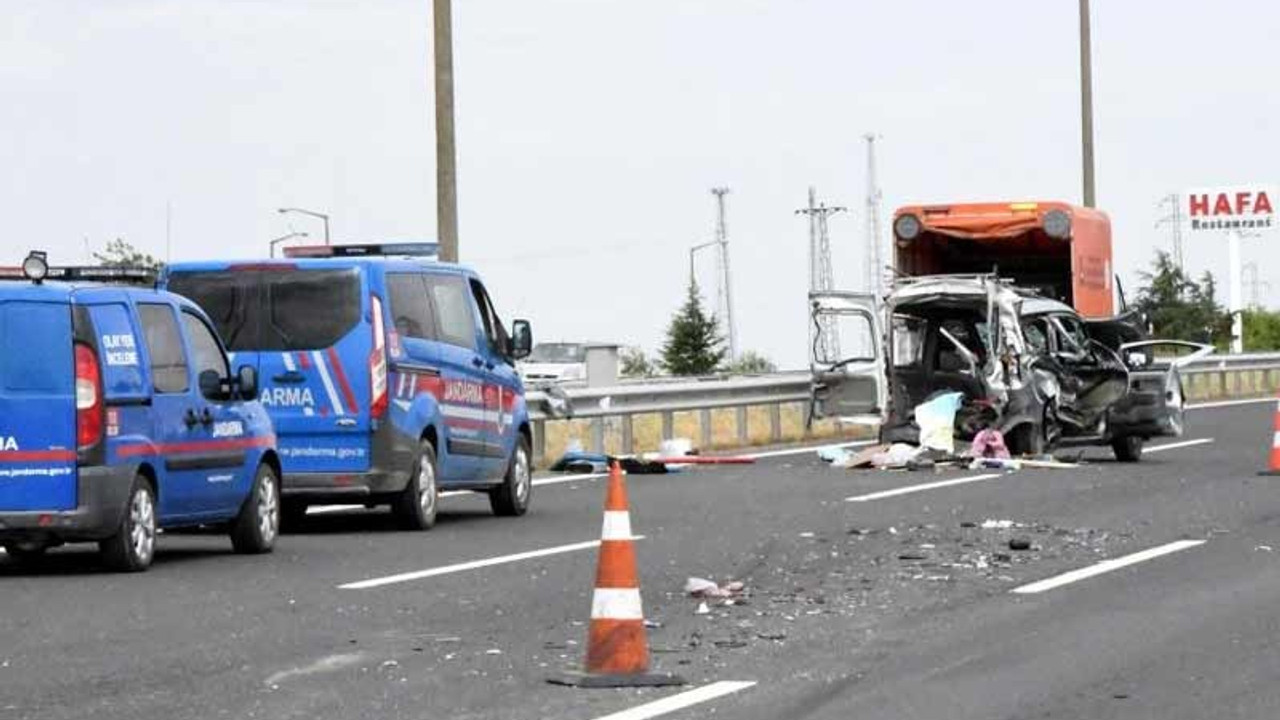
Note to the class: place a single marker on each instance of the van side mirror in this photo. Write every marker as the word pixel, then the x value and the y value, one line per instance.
pixel 247 382
pixel 521 342
pixel 211 386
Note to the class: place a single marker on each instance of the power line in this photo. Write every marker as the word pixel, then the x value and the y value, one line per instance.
pixel 875 262
pixel 821 276
pixel 725 296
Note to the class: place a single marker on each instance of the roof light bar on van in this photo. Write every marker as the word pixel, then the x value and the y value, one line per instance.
pixel 408 249
pixel 36 266
pixel 907 226
pixel 121 275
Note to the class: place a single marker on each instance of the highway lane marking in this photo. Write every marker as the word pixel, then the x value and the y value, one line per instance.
pixel 472 565
pixel 1176 445
pixel 681 701
pixel 921 488
pixel 1105 566
pixel 1230 403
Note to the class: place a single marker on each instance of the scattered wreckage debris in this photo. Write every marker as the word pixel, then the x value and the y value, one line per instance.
pixel 673 456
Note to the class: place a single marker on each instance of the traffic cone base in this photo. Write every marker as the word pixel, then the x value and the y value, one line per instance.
pixel 617 649
pixel 1273 465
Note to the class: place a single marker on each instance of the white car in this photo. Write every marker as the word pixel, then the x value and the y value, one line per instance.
pixel 555 363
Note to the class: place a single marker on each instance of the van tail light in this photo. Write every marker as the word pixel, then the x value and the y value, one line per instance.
pixel 378 363
pixel 88 397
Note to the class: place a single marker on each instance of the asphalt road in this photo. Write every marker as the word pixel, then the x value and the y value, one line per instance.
pixel 894 606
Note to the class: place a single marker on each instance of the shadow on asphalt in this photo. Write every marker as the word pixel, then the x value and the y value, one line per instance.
pixel 375 521
pixel 85 560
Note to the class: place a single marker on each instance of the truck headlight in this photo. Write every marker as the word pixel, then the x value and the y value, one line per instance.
pixel 1057 224
pixel 907 226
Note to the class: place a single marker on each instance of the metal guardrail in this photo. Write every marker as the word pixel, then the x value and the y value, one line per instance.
pixel 667 396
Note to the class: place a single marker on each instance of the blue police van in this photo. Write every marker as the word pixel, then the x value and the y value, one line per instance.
pixel 389 376
pixel 120 415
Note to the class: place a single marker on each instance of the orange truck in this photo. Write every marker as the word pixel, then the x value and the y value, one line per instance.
pixel 1061 251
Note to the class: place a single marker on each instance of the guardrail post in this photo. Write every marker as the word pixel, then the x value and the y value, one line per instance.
pixel 597 435
pixel 744 437
pixel 775 422
pixel 668 425
pixel 539 428
pixel 704 421
pixel 628 434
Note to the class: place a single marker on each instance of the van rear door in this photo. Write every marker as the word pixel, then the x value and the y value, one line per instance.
pixel 37 401
pixel 846 358
pixel 306 330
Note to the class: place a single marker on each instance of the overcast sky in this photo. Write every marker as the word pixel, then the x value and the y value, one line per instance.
pixel 590 132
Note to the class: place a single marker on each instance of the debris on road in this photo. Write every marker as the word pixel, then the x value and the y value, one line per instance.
pixel 989 443
pixel 703 588
pixel 703 609
pixel 1019 543
pixel 997 524
pixel 936 418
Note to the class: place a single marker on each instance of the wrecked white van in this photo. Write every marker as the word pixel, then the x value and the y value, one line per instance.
pixel 1028 366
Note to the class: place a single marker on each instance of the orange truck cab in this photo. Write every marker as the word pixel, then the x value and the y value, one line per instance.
pixel 1059 250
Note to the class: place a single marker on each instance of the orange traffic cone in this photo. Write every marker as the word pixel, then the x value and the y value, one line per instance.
pixel 617 650
pixel 1273 466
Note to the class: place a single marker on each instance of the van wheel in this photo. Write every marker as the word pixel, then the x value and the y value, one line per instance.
pixel 1128 449
pixel 133 546
pixel 415 506
pixel 256 527
pixel 512 497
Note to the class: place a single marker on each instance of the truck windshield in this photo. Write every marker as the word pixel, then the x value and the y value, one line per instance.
pixel 558 353
pixel 286 310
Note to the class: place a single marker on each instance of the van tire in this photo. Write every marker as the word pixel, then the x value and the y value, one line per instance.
pixel 1128 449
pixel 511 498
pixel 256 528
pixel 133 547
pixel 1026 439
pixel 415 507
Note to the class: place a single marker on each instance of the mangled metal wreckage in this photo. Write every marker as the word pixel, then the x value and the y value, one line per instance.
pixel 1028 366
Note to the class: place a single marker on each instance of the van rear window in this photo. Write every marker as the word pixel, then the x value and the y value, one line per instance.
pixel 282 310
pixel 35 348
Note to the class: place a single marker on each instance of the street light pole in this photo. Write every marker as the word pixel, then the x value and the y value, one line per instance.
pixel 313 214
pixel 446 149
pixel 1086 104
pixel 272 243
pixel 693 251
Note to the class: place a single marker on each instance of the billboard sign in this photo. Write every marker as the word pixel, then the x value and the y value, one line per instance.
pixel 1241 207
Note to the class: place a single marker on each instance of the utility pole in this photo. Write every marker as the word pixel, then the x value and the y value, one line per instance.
pixel 1174 220
pixel 875 263
pixel 446 150
pixel 1086 104
pixel 1253 283
pixel 726 287
pixel 821 277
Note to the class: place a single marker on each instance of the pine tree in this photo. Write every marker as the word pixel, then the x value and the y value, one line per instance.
pixel 694 345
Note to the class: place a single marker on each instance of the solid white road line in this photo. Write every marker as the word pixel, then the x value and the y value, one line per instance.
pixel 473 565
pixel 1230 403
pixel 1176 445
pixel 921 488
pixel 1105 566
pixel 680 701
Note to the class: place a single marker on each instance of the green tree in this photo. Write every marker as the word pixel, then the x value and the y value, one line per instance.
pixel 636 364
pixel 751 363
pixel 1180 308
pixel 694 345
pixel 120 253
pixel 1261 329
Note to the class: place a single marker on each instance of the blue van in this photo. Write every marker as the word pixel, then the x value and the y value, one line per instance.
pixel 389 376
pixel 119 415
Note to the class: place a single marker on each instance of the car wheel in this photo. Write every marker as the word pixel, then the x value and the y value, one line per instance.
pixel 1128 449
pixel 512 497
pixel 415 507
pixel 258 525
pixel 293 513
pixel 133 546
pixel 25 552
pixel 1026 439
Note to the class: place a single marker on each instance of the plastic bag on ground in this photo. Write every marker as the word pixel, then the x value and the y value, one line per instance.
pixel 937 419
pixel 896 456
pixel 989 443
